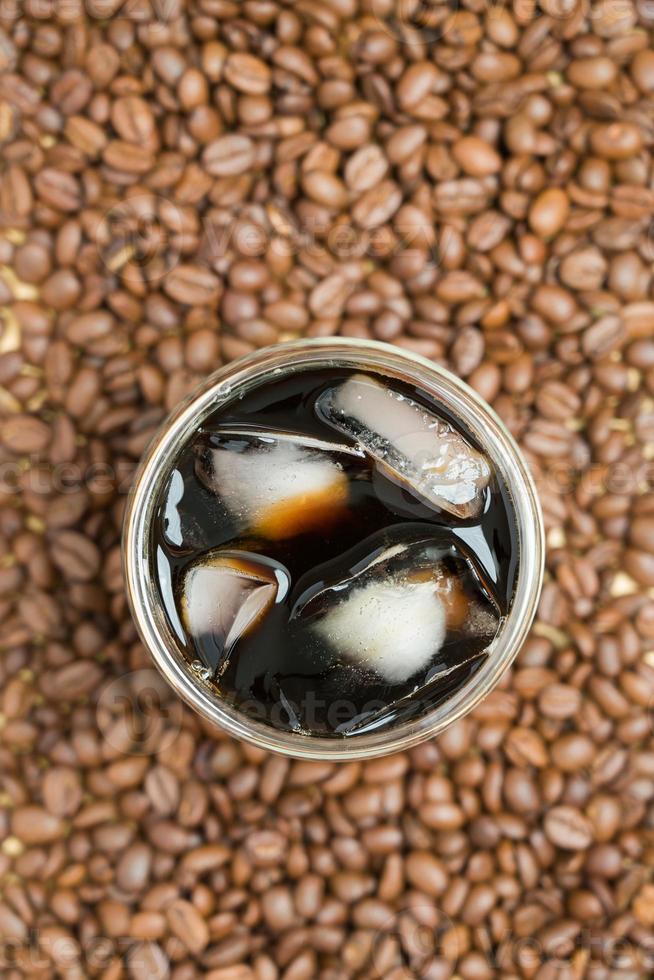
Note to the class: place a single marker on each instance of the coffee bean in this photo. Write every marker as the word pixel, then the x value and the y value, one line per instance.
pixel 23 434
pixel 593 72
pixel 247 73
pixel 188 926
pixel 32 824
pixel 73 681
pixel 377 205
pixel 58 189
pixel 603 336
pixel 132 119
pixel 549 212
pixel 75 556
pixel 584 269
pixel 640 564
pixel 192 285
pixel 476 157
pixel 568 828
pixel 642 71
pixel 229 155
pixel 616 141
pixel 325 188
pixel 416 83
pixel 365 169
pixel 62 791
pixel 131 157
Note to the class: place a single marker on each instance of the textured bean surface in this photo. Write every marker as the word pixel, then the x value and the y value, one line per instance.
pixel 181 183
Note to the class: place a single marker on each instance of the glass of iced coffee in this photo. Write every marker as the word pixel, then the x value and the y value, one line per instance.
pixel 333 549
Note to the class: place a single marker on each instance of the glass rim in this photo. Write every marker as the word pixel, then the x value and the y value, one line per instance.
pixel 147 609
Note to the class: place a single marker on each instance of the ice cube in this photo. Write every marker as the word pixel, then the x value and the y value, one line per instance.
pixel 391 627
pixel 412 446
pixel 276 485
pixel 223 595
pixel 392 612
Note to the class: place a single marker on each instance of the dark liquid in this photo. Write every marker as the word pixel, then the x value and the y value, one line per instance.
pixel 283 671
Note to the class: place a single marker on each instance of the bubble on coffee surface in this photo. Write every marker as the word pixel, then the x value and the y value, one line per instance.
pixel 277 485
pixel 224 594
pixel 411 444
pixel 309 588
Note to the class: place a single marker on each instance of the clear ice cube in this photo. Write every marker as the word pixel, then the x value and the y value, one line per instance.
pixel 223 595
pixel 413 447
pixel 393 612
pixel 275 485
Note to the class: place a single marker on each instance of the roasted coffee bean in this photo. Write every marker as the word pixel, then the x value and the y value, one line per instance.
pixel 58 189
pixel 566 827
pixel 229 155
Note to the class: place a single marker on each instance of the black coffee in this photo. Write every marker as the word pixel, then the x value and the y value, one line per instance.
pixel 335 552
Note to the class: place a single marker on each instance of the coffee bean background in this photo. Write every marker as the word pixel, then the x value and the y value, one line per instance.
pixel 181 183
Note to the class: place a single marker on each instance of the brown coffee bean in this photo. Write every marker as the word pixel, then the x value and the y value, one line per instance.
pixel 426 872
pixel 147 960
pixel 247 73
pixel 559 701
pixel 377 205
pixel 584 269
pixel 73 680
pixel 416 83
pixel 62 791
pixel 192 285
pixel 32 262
pixel 594 72
pixel 328 298
pixel 365 169
pixel 133 158
pixel 229 155
pixel 71 91
pixel 325 188
pixel 75 556
pixel 572 752
pixel 58 189
pixel 616 141
pixel 553 303
pixel 556 401
pixel 132 119
pixel 642 71
pixel 476 157
pixel 24 434
pixel 162 788
pixel 549 212
pixel 33 825
pixel 603 336
pixel 498 66
pixel 568 828
pixel 266 848
pixel 188 926
pixel 640 565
